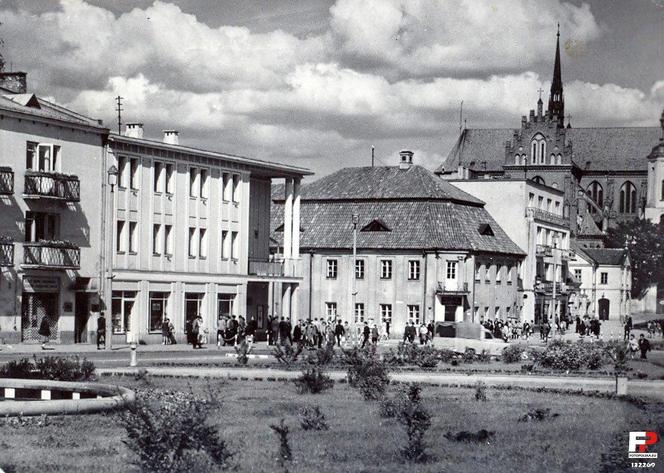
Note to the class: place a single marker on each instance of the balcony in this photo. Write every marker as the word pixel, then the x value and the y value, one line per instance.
pixel 547 217
pixel 52 186
pixel 48 254
pixel 6 181
pixel 543 250
pixel 452 287
pixel 6 252
pixel 265 268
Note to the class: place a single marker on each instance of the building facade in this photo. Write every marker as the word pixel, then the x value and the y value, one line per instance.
pixel 190 236
pixel 51 172
pixel 418 241
pixel 655 195
pixel 534 220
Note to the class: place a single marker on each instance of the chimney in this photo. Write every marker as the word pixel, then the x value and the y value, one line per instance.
pixel 171 137
pixel 406 159
pixel 134 130
pixel 14 82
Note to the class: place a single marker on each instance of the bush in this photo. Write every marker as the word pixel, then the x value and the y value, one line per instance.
pixel 573 356
pixel 513 353
pixel 416 420
pixel 411 354
pixel 445 355
pixel 323 355
pixel 55 368
pixel 469 355
pixel 242 350
pixel 313 381
pixel 282 431
pixel 286 354
pixel 484 356
pixel 367 372
pixel 311 418
pixel 170 434
pixel 480 391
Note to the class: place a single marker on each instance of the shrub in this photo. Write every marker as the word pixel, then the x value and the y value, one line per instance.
pixel 169 434
pixel 416 420
pixel 411 354
pixel 427 357
pixel 311 418
pixel 538 415
pixel 445 355
pixel 142 376
pixel 480 391
pixel 55 368
pixel 572 356
pixel 484 356
pixel 513 353
pixel 313 381
pixel 469 355
pixel 242 350
pixel 367 372
pixel 286 354
pixel 282 431
pixel 323 355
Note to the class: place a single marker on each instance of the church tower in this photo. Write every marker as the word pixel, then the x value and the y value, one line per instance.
pixel 654 210
pixel 556 100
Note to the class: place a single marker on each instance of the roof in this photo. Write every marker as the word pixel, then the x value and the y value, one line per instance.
pixel 607 149
pixel 383 182
pixel 38 107
pixel 588 227
pixel 606 256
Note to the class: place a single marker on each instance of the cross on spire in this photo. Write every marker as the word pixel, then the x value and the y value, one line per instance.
pixel 540 90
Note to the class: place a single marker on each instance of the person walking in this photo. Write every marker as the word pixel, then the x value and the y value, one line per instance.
pixel 365 334
pixel 222 323
pixel 644 346
pixel 424 334
pixel 285 332
pixel 374 334
pixel 632 346
pixel 44 331
pixel 195 332
pixel 101 331
pixel 339 332
pixel 164 332
pixel 171 333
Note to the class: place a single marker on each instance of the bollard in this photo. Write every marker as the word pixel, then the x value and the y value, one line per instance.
pixel 132 359
pixel 621 385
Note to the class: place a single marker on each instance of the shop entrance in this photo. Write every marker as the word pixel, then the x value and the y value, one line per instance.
pixel 36 306
pixel 81 317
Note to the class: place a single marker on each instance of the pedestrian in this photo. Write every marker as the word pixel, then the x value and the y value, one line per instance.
pixel 285 332
pixel 424 334
pixel 366 331
pixel 644 346
pixel 171 333
pixel 374 334
pixel 339 332
pixel 195 332
pixel 44 331
pixel 101 331
pixel 164 332
pixel 430 329
pixel 632 346
pixel 250 330
pixel 347 332
pixel 222 322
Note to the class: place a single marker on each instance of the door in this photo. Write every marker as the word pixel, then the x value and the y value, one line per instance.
pixel 603 309
pixel 36 306
pixel 81 317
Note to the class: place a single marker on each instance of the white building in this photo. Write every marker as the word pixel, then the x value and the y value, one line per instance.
pixel 655 199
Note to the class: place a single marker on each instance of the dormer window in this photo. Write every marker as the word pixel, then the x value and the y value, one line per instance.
pixel 538 149
pixel 486 230
pixel 376 225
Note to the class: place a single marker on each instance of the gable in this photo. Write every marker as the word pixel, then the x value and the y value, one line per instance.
pixel 376 225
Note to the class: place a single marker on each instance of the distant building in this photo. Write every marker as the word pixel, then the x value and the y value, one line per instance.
pixel 604 276
pixel 532 216
pixel 190 236
pixel 51 176
pixel 426 251
pixel 655 200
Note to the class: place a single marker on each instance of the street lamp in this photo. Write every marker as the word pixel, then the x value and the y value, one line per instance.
pixel 355 220
pixel 112 181
pixel 113 177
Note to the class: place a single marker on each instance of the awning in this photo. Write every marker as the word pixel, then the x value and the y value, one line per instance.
pixel 81 284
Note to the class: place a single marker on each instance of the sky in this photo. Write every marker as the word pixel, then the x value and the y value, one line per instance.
pixel 317 83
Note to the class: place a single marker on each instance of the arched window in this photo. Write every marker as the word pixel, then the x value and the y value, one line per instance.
pixel 559 159
pixel 628 198
pixel 538 180
pixel 596 192
pixel 538 149
pixel 552 160
pixel 524 159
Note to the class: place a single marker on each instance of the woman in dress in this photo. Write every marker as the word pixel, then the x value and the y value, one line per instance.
pixel 44 331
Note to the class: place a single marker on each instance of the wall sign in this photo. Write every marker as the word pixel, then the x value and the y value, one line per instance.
pixel 40 284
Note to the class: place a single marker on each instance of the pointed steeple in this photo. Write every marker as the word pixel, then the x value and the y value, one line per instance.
pixel 556 100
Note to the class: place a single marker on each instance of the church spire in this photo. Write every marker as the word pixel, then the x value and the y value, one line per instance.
pixel 556 101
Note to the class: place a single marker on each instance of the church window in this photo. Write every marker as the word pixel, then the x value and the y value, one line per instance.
pixel 628 198
pixel 538 149
pixel 662 196
pixel 596 192
pixel 559 159
pixel 517 159
pixel 524 159
pixel 553 159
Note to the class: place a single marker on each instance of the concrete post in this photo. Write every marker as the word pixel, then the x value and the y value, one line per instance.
pixel 286 301
pixel 288 221
pixel 295 253
pixel 132 355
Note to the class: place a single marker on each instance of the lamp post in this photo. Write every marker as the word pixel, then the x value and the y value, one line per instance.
pixel 353 292
pixel 556 255
pixel 108 293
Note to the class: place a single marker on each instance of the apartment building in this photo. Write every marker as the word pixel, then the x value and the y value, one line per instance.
pixel 51 170
pixel 418 240
pixel 190 236
pixel 532 215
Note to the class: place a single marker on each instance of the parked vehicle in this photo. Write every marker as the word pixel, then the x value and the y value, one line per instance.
pixel 463 336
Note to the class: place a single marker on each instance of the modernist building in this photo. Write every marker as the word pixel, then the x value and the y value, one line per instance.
pixel 534 220
pixel 50 216
pixel 602 171
pixel 425 250
pixel 605 280
pixel 191 236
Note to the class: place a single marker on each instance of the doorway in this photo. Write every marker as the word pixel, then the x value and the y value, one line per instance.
pixel 81 317
pixel 35 306
pixel 603 305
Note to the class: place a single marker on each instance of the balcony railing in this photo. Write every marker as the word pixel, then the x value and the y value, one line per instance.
pixel 6 252
pixel 51 254
pixel 6 181
pixel 52 186
pixel 266 268
pixel 547 216
pixel 543 250
pixel 449 287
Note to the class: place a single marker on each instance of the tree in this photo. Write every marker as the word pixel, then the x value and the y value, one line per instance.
pixel 645 242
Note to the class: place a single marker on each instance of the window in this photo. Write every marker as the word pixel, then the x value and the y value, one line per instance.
pixel 122 170
pixel 628 198
pixel 158 310
pixel 596 192
pixel 559 158
pixel 192 242
pixel 168 240
pixel 414 313
pixel 662 196
pixel 226 184
pixel 538 149
pixel 225 304
pixel 236 188
pixel 413 270
pixel 169 178
pixel 510 275
pixel 158 177
pixel 42 157
pixel 202 243
pixel 41 226
pixel 486 313
pixel 359 312
pixel 478 272
pixel 604 278
pixel 133 173
pixel 156 239
pixel 193 305
pixel 499 274
pixel 386 269
pixel 194 185
pixel 121 309
pixel 235 244
pixel 540 202
pixel 496 313
pixel 225 245
pixel 557 208
pixel 30 155
pixel 386 313
pixel 517 159
pixel 451 271
pixel 331 309
pixel 331 272
pixel 133 237
pixel 548 205
pixel 531 199
pixel 359 269
pixel 577 275
pixel 204 183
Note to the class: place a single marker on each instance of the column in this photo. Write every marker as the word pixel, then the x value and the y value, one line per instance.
pixel 270 299
pixel 286 301
pixel 294 303
pixel 288 220
pixel 296 219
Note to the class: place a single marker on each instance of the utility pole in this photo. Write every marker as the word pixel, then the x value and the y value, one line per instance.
pixel 353 291
pixel 460 116
pixel 372 155
pixel 119 109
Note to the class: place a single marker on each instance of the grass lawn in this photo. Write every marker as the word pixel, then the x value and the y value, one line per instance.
pixel 358 439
